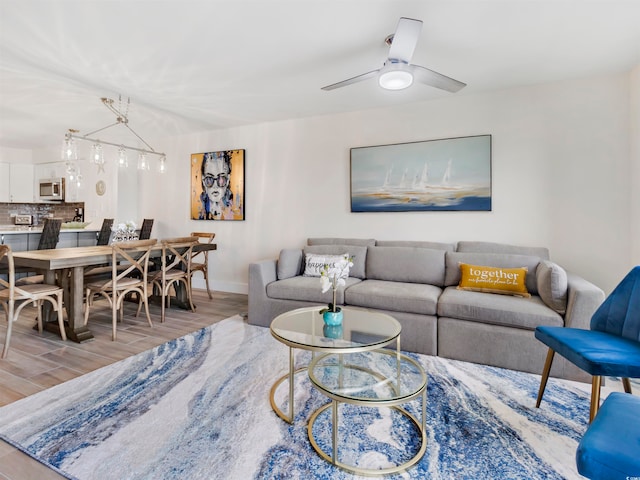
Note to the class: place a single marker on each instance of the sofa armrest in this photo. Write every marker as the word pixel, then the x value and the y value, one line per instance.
pixel 583 299
pixel 261 273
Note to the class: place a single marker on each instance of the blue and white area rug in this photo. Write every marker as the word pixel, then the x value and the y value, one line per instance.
pixel 198 408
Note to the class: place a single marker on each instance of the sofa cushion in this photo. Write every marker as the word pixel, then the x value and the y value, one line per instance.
pixel 449 247
pixel 394 296
pixel 406 264
pixel 505 310
pixel 502 248
pixel 504 281
pixel 306 289
pixel 315 263
pixel 552 285
pixel 289 263
pixel 453 260
pixel 359 254
pixel 362 242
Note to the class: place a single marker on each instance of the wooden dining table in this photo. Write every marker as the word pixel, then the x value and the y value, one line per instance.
pixel 66 267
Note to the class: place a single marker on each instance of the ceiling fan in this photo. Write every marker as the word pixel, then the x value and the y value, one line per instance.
pixel 397 73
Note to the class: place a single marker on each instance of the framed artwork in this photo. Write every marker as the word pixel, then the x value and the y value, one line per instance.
pixel 217 185
pixel 447 174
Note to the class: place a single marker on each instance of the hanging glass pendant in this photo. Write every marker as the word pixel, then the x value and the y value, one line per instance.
pixel 143 163
pixel 69 149
pixel 162 166
pixel 97 154
pixel 123 162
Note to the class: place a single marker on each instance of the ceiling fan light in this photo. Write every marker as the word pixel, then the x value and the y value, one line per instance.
pixel 395 79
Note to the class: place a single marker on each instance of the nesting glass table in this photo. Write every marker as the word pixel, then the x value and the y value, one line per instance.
pixel 350 366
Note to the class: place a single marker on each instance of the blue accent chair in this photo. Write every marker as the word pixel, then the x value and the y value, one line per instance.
pixel 610 449
pixel 610 348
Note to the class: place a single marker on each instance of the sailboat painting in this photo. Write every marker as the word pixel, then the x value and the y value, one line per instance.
pixel 446 174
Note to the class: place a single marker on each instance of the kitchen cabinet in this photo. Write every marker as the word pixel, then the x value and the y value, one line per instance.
pixel 20 240
pixel 87 239
pixel 4 182
pixel 17 183
pixel 21 188
pixel 50 170
pixel 17 241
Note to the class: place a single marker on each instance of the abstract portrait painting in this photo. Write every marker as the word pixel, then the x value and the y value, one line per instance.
pixel 447 174
pixel 217 185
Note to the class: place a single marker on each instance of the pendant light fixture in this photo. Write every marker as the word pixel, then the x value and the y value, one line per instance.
pixel 69 146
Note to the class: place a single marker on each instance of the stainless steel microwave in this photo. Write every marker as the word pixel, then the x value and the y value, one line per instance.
pixel 52 189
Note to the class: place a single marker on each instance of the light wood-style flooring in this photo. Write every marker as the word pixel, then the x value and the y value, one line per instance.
pixel 36 362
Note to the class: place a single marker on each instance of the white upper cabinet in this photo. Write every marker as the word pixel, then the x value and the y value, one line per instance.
pixel 50 170
pixel 17 183
pixel 4 182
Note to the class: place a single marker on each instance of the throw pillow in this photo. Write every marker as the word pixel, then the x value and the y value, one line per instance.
pixel 507 281
pixel 289 263
pixel 552 285
pixel 358 253
pixel 315 263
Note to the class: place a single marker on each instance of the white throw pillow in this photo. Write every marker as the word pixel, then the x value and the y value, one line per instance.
pixel 315 263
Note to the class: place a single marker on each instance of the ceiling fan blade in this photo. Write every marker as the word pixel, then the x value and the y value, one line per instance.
pixel 405 39
pixel 435 79
pixel 359 78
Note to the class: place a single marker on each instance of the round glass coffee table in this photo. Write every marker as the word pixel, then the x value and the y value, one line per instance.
pixel 371 379
pixel 361 330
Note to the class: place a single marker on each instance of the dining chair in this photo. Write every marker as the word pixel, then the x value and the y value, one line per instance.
pixel 14 298
pixel 105 232
pixel 48 240
pixel 611 347
pixel 50 233
pixel 175 270
pixel 145 230
pixel 127 259
pixel 202 258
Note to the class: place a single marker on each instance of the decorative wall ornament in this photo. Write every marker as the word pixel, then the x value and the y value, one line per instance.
pixel 446 174
pixel 101 187
pixel 217 185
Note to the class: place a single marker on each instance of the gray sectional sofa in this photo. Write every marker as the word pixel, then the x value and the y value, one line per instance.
pixel 416 283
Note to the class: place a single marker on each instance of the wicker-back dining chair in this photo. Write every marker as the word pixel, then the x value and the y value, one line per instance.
pixel 48 240
pixel 145 230
pixel 14 298
pixel 105 232
pixel 50 233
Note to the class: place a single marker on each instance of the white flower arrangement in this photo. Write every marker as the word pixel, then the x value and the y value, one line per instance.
pixel 333 276
pixel 127 227
pixel 124 232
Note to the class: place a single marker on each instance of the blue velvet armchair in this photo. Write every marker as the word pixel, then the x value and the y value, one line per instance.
pixel 610 348
pixel 610 449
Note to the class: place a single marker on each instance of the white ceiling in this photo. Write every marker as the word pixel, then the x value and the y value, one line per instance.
pixel 192 66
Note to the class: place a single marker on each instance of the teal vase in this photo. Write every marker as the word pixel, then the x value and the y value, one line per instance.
pixel 332 331
pixel 332 318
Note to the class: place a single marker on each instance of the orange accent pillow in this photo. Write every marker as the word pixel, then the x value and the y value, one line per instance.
pixel 506 281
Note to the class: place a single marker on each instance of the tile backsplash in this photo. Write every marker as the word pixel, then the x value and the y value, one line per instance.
pixel 39 211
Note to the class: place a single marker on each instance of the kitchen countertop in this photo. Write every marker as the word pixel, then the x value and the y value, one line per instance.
pixel 8 229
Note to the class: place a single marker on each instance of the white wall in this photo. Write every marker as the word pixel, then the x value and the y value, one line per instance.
pixel 561 178
pixel 635 164
pixel 15 155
